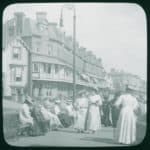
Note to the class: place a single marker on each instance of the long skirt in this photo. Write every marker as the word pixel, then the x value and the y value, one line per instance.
pixel 94 119
pixel 81 118
pixel 126 126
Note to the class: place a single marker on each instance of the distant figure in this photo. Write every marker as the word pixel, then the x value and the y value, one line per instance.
pixel 26 120
pixel 114 110
pixel 126 125
pixel 106 111
pixel 81 105
pixel 93 119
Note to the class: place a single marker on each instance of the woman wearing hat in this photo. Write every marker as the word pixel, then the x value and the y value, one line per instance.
pixel 81 105
pixel 25 117
pixel 126 125
pixel 94 117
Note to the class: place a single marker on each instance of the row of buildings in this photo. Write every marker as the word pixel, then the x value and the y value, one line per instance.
pixel 52 55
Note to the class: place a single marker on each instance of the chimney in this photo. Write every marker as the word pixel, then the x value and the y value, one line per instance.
pixel 19 19
pixel 40 16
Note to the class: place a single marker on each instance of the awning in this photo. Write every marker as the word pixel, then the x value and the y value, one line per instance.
pixel 95 80
pixel 85 77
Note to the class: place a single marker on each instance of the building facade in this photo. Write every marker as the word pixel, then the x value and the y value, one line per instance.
pixel 15 69
pixel 52 57
pixel 122 79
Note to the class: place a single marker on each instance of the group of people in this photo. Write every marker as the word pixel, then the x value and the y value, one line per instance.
pixel 86 115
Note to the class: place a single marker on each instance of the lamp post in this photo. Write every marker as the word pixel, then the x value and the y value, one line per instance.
pixel 30 73
pixel 29 70
pixel 71 7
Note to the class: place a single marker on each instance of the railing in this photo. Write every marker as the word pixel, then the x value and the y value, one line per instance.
pixel 57 77
pixel 17 83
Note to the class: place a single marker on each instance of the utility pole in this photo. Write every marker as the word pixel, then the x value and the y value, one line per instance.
pixel 71 7
pixel 30 73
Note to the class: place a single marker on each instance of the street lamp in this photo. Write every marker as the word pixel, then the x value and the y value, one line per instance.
pixel 30 73
pixel 72 7
pixel 29 69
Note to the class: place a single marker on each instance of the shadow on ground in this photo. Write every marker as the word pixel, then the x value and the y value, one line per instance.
pixel 68 131
pixel 95 139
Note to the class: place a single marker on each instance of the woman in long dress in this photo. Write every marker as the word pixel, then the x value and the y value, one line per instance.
pixel 94 117
pixel 81 105
pixel 126 125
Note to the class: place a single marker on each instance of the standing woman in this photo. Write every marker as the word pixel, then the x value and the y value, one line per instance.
pixel 94 120
pixel 126 125
pixel 81 105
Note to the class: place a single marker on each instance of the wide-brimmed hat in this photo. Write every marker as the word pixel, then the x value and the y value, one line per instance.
pixel 28 99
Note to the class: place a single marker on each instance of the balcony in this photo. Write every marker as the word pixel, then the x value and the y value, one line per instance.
pixel 59 78
pixel 17 83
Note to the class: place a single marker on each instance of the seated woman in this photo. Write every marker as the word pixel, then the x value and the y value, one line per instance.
pixel 64 114
pixel 25 118
pixel 40 124
pixel 54 121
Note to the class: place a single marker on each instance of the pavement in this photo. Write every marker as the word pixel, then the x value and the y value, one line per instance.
pixel 68 138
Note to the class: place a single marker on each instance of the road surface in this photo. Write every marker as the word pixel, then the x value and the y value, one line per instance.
pixel 69 137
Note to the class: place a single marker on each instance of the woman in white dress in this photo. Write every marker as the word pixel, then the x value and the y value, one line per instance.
pixel 94 117
pixel 126 125
pixel 81 105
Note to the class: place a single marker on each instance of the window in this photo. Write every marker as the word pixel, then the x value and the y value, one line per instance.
pixel 11 28
pixel 67 72
pixel 50 50
pixel 56 69
pixel 19 74
pixel 17 53
pixel 12 74
pixel 38 45
pixel 35 67
pixel 16 74
pixel 49 69
pixel 44 67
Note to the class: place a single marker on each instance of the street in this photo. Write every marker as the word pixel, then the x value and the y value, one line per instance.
pixel 68 137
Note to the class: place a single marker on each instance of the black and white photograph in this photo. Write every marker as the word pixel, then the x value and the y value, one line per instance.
pixel 74 74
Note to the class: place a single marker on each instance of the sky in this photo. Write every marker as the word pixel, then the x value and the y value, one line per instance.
pixel 115 32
